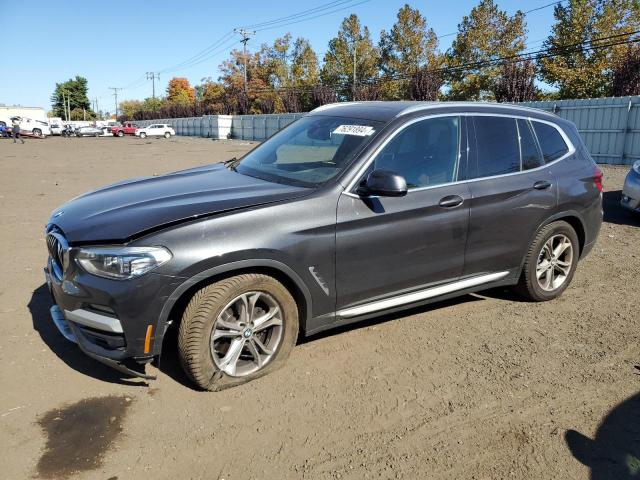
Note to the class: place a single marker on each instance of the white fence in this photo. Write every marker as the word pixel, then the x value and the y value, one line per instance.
pixel 244 127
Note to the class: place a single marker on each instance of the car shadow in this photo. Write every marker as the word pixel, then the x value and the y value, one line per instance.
pixel 65 350
pixel 614 452
pixel 616 213
pixel 390 317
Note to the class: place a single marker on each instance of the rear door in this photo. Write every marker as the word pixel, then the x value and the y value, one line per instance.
pixel 512 193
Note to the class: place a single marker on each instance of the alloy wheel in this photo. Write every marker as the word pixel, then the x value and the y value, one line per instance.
pixel 246 334
pixel 554 262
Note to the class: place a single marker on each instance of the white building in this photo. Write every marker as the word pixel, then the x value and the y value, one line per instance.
pixel 35 113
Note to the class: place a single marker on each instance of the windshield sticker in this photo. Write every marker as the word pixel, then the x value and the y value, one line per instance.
pixel 358 130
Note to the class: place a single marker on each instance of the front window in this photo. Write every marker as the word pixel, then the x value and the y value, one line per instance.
pixel 309 152
pixel 426 153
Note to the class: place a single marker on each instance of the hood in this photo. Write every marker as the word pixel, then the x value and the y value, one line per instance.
pixel 126 209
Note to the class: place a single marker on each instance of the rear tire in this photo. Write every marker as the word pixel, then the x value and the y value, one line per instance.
pixel 218 308
pixel 550 263
pixel 121 133
pixel 37 132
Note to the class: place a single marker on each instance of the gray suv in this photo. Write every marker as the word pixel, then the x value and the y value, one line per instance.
pixel 355 210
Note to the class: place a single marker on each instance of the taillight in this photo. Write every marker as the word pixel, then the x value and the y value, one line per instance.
pixel 597 178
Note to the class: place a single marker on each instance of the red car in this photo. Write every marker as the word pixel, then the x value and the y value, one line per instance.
pixel 127 128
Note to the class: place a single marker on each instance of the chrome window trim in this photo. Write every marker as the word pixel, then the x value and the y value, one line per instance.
pixel 352 182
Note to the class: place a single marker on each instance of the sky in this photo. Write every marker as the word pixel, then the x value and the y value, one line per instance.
pixel 48 42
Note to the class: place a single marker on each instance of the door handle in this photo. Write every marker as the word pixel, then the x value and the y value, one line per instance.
pixel 541 185
pixel 451 201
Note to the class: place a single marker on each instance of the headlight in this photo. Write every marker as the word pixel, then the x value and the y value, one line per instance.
pixel 636 166
pixel 121 263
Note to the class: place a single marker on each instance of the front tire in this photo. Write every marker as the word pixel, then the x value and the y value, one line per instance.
pixel 37 132
pixel 143 135
pixel 236 330
pixel 121 133
pixel 550 263
pixel 167 135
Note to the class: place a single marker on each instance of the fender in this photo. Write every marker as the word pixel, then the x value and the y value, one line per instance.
pixel 161 325
pixel 552 218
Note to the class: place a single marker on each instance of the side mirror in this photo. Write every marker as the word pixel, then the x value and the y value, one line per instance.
pixel 384 183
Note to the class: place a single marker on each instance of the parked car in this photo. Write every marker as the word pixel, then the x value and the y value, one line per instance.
pixel 353 211
pixel 631 190
pixel 127 128
pixel 88 131
pixel 156 130
pixel 56 129
pixel 30 126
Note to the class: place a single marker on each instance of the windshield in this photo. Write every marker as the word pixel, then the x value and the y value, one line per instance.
pixel 310 151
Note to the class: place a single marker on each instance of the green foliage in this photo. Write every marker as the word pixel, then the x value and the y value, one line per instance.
pixel 286 76
pixel 407 49
pixel 74 89
pixel 485 34
pixel 338 61
pixel 578 72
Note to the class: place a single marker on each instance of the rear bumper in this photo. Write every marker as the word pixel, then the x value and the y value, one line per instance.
pixel 631 192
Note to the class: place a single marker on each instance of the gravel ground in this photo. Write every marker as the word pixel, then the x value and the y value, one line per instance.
pixel 481 387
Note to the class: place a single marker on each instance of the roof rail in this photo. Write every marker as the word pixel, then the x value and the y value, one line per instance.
pixel 430 105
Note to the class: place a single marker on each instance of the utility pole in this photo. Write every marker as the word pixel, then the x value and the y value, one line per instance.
pixel 96 108
pixel 64 105
pixel 115 94
pixel 153 77
pixel 245 38
pixel 353 87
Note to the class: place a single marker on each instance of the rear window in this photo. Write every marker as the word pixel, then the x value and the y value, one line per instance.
pixel 531 157
pixel 498 146
pixel 551 142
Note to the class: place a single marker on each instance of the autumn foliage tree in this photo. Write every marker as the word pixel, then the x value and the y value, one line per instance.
pixel 516 82
pixel 180 92
pixel 626 73
pixel 485 34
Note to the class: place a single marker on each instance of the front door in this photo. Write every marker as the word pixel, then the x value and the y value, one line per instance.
pixel 391 245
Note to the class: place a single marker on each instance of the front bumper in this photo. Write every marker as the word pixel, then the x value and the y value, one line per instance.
pixel 114 322
pixel 631 192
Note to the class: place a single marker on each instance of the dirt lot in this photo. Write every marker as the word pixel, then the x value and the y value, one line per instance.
pixel 483 387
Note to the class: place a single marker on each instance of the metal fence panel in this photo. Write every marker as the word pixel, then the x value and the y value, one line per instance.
pixel 609 127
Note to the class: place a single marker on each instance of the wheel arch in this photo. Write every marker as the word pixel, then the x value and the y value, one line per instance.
pixel 177 301
pixel 573 218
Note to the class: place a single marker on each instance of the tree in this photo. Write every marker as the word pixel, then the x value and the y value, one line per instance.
pixel 209 95
pixel 626 73
pixel 130 109
pixel 74 91
pixel 407 48
pixel 516 82
pixel 323 94
pixel 180 92
pixel 426 84
pixel 485 34
pixel 577 70
pixel 352 39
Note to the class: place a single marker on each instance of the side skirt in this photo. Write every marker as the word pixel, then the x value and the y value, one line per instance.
pixel 414 299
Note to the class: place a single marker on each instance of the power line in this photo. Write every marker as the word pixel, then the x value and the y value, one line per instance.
pixel 525 13
pixel 306 19
pixel 198 56
pixel 516 58
pixel 303 13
